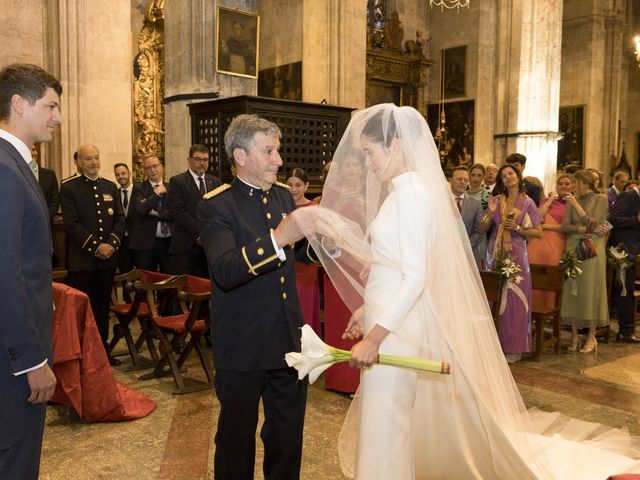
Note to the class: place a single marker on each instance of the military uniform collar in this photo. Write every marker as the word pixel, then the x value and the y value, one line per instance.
pixel 249 189
pixel 87 179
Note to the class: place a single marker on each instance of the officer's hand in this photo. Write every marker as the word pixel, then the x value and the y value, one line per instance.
pixel 288 230
pixel 42 383
pixel 105 251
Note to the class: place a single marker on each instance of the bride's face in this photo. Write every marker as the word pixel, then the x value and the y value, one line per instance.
pixel 381 161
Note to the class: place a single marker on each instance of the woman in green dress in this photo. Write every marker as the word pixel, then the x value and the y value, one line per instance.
pixel 585 216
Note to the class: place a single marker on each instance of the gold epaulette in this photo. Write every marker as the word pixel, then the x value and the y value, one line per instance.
pixel 69 178
pixel 216 191
pixel 283 185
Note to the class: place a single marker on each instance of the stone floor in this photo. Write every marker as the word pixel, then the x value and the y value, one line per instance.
pixel 175 441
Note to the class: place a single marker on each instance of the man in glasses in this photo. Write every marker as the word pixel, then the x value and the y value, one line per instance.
pixel 185 192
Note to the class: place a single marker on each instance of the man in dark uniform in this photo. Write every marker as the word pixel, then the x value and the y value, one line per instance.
pixel 94 222
pixel 255 314
pixel 185 192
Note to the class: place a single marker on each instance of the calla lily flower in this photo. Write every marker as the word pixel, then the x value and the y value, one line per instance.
pixel 316 356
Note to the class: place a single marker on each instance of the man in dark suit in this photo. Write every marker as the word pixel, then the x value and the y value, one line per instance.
pixel 29 113
pixel 49 185
pixel 122 175
pixel 625 218
pixel 519 161
pixel 470 209
pixel 620 178
pixel 255 314
pixel 94 222
pixel 185 192
pixel 150 235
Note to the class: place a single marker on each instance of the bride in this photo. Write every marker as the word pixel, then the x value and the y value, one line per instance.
pixel 423 297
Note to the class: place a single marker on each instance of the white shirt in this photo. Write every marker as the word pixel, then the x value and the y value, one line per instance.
pixel 196 177
pixel 25 153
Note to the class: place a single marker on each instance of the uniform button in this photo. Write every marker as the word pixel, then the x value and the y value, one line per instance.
pixel 101 229
pixel 99 212
pixel 279 264
pixel 260 251
pixel 98 204
pixel 264 200
pixel 95 188
pixel 269 216
pixel 96 195
pixel 100 220
pixel 100 238
pixel 94 242
pixel 284 296
pixel 281 279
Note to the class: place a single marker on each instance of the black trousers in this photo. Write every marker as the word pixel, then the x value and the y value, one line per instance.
pixel 192 264
pixel 125 260
pixel 97 284
pixel 158 256
pixel 284 400
pixel 624 305
pixel 22 460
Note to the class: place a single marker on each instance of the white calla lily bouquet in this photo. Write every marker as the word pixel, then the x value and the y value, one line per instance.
pixel 316 356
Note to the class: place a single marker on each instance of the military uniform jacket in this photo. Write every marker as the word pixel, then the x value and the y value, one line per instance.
pixel 92 214
pixel 255 313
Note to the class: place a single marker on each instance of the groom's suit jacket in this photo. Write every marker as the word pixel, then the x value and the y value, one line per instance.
pixel 25 294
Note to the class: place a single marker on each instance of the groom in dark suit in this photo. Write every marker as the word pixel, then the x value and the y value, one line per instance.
pixel 625 218
pixel 29 113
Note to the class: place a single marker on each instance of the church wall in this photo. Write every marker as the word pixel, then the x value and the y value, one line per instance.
pixel 22 40
pixel 280 32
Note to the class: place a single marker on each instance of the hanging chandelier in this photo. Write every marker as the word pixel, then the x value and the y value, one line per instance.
pixel 449 4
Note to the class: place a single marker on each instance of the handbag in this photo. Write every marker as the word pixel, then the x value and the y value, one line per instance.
pixel 585 249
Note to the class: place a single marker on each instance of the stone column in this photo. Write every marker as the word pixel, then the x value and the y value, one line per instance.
pixel 87 47
pixel 191 68
pixel 528 75
pixel 334 52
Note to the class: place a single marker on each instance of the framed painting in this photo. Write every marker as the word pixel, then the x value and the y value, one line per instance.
pixel 571 145
pixel 283 81
pixel 456 143
pixel 454 63
pixel 237 41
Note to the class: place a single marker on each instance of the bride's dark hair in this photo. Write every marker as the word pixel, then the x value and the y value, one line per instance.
pixel 374 128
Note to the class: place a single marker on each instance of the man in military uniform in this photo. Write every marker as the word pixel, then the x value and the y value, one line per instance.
pixel 256 315
pixel 94 222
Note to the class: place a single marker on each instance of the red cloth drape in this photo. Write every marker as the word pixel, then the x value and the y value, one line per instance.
pixel 85 379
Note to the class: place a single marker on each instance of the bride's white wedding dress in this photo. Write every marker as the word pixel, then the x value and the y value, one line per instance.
pixel 415 271
pixel 430 426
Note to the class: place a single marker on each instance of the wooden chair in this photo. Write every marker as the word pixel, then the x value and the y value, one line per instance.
pixel 183 330
pixel 492 283
pixel 59 276
pixel 548 278
pixel 125 313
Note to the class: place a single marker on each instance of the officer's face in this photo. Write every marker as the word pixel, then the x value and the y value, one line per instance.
pixel 89 161
pixel 259 165
pixel 123 175
pixel 42 117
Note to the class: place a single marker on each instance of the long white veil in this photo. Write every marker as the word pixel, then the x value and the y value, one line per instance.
pixel 476 414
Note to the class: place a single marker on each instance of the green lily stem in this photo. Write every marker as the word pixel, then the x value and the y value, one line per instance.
pixel 397 361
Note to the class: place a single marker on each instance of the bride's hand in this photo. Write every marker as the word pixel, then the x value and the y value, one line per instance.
pixel 355 327
pixel 363 354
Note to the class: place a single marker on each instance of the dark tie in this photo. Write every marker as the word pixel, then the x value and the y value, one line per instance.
pixel 125 199
pixel 459 204
pixel 164 226
pixel 201 185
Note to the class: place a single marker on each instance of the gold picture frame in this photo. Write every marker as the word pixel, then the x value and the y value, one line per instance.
pixel 237 42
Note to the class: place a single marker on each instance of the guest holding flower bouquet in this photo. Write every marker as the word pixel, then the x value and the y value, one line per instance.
pixel 515 218
pixel 584 222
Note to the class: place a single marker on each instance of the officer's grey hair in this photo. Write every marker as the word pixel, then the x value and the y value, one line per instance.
pixel 242 130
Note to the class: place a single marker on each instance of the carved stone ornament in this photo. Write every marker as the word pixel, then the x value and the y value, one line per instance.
pixel 148 88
